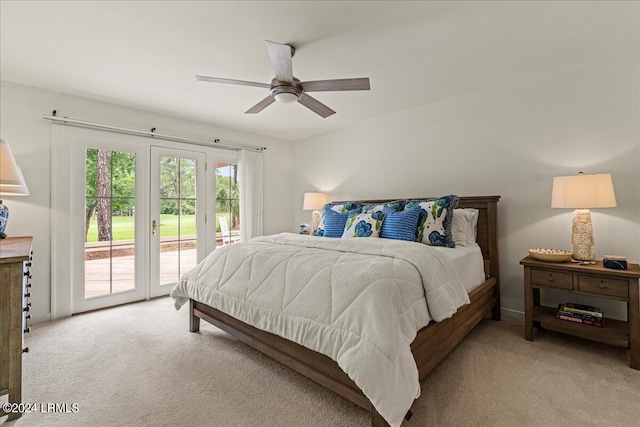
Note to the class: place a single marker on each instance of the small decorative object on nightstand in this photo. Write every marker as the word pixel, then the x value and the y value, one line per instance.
pixel 583 192
pixel 594 280
pixel 314 202
pixel 550 255
pixel 304 228
pixel 616 262
pixel 12 182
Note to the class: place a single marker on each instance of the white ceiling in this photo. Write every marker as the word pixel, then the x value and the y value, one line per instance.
pixel 145 54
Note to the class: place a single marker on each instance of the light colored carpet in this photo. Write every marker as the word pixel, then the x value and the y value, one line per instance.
pixel 137 365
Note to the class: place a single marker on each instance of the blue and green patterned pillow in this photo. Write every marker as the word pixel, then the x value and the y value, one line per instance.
pixel 434 224
pixel 335 207
pixel 396 206
pixel 363 225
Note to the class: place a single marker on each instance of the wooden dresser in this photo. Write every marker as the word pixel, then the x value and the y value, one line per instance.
pixel 15 288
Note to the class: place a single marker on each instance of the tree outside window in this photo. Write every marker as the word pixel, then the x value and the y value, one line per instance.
pixel 110 192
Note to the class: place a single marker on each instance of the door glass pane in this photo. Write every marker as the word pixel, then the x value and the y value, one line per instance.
pixel 177 218
pixel 168 178
pixel 109 222
pixel 123 178
pixel 227 204
pixel 187 179
pixel 123 245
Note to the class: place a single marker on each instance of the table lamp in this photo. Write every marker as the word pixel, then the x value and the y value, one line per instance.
pixel 583 192
pixel 12 182
pixel 314 201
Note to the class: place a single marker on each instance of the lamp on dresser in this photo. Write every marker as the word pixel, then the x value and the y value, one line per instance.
pixel 583 192
pixel 12 182
pixel 314 202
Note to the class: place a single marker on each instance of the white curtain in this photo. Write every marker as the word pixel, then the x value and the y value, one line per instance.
pixel 250 171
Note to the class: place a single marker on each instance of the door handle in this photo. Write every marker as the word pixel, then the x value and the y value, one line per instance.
pixel 154 227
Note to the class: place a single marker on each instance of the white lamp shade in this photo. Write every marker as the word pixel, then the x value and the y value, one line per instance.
pixel 583 191
pixel 12 181
pixel 314 201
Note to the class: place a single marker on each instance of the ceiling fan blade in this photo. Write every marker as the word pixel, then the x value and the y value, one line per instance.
pixel 260 105
pixel 231 81
pixel 337 84
pixel 315 106
pixel 280 56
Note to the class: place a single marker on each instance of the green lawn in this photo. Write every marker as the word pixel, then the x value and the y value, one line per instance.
pixel 123 227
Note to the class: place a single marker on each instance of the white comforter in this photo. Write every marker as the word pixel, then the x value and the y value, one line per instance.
pixel 358 301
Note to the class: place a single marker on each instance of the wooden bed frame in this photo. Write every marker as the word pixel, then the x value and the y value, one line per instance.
pixel 432 344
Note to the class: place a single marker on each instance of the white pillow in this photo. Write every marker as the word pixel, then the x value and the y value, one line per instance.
pixel 464 226
pixel 474 224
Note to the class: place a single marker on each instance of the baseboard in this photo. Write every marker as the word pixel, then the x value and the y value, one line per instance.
pixel 512 313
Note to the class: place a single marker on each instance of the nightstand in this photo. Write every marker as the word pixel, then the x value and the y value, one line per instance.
pixel 593 280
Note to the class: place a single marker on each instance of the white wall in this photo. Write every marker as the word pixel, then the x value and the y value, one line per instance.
pixel 508 141
pixel 29 136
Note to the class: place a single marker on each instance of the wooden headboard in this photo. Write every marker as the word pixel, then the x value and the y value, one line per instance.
pixel 487 237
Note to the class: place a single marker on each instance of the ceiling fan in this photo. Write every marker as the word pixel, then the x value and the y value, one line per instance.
pixel 287 89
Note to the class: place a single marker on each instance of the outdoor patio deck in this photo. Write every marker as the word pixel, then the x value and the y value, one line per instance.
pixel 105 274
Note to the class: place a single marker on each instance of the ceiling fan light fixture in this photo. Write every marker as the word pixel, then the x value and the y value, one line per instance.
pixel 286 94
pixel 286 97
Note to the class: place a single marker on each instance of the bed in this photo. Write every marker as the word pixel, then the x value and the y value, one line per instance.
pixel 428 346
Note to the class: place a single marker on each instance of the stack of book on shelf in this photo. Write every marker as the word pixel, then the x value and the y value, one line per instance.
pixel 578 313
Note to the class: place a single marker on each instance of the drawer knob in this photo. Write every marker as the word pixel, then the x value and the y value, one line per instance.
pixel 550 278
pixel 602 286
pixel 27 330
pixel 27 295
pixel 25 350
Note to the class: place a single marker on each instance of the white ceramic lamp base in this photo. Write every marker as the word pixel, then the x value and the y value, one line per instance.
pixel 315 222
pixel 582 243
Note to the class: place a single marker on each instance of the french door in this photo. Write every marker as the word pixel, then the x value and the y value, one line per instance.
pixel 129 219
pixel 108 223
pixel 177 215
pixel 138 219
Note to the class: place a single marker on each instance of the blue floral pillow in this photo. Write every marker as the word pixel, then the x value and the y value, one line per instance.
pixel 396 206
pixel 335 207
pixel 363 225
pixel 334 222
pixel 434 224
pixel 400 225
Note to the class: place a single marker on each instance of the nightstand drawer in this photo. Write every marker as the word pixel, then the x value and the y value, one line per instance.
pixel 603 286
pixel 553 279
